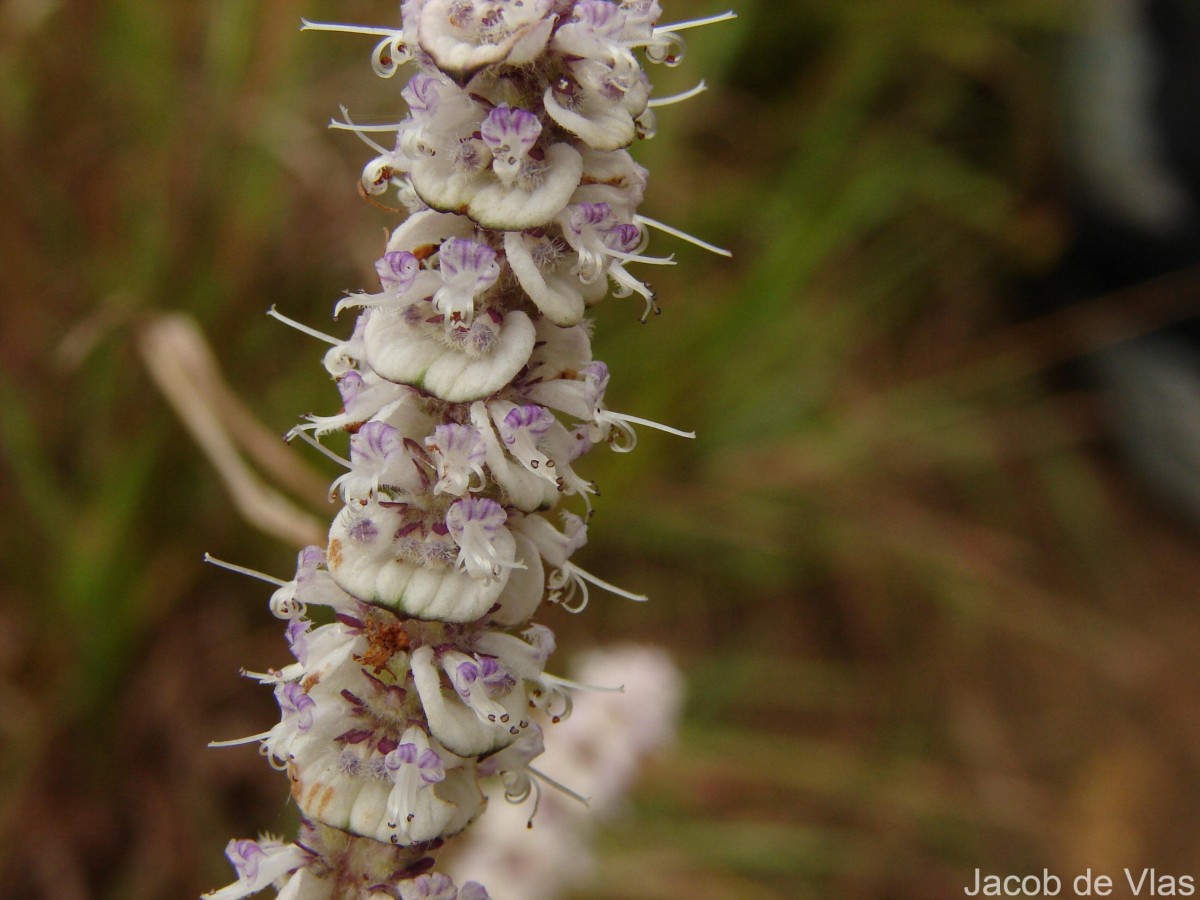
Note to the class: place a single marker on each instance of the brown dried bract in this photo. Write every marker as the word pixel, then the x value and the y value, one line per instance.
pixel 385 640
pixel 425 251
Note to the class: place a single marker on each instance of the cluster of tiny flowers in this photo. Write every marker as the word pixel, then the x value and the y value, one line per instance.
pixel 468 393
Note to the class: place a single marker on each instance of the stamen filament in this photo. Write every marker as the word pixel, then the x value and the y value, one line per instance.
pixel 580 686
pixel 299 432
pixel 696 23
pixel 239 741
pixel 638 420
pixel 571 569
pixel 306 25
pixel 648 260
pixel 559 786
pixel 537 801
pixel 682 235
pixel 349 125
pixel 679 98
pixel 311 332
pixel 242 570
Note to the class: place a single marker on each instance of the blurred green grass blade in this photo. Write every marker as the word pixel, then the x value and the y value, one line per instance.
pixel 101 564
pixel 46 499
pixel 228 48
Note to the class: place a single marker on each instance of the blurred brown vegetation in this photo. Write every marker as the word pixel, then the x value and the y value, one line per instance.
pixel 929 622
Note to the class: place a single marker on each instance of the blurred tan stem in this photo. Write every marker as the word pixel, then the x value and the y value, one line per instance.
pixel 181 364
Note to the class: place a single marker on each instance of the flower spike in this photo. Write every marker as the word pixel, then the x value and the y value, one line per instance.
pixel 469 396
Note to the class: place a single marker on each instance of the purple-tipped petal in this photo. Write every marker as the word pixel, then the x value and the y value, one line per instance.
pixel 375 442
pixel 474 523
pixel 421 94
pixel 458 452
pixel 468 269
pixel 397 270
pixel 510 134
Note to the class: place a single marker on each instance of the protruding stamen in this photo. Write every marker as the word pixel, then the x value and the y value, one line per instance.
pixel 350 125
pixel 272 677
pixel 570 580
pixel 355 127
pixel 559 681
pixel 242 570
pixel 658 426
pixel 571 569
pixel 682 235
pixel 299 432
pixel 306 25
pixel 388 54
pixel 696 23
pixel 648 260
pixel 311 332
pixel 558 785
pixel 237 742
pixel 677 98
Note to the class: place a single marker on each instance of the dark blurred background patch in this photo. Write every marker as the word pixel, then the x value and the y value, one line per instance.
pixel 930 566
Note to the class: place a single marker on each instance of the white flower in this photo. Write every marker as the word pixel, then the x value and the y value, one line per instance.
pixel 522 428
pixel 379 460
pixel 414 767
pixel 476 524
pixel 471 718
pixel 533 200
pixel 311 585
pixel 458 452
pixel 510 134
pixel 258 864
pixel 523 488
pixel 364 395
pixel 554 546
pixel 467 268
